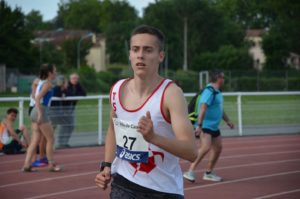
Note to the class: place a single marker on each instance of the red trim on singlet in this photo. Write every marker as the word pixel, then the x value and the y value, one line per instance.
pixel 139 108
pixel 110 92
pixel 162 101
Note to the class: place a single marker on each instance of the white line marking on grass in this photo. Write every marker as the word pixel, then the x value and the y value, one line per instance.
pixel 62 192
pixel 47 179
pixel 278 194
pixel 242 179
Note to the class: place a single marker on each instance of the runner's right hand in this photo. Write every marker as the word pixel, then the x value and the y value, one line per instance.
pixel 103 178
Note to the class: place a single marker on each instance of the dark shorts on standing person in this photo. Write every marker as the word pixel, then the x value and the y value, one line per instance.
pixel 122 188
pixel 13 147
pixel 213 134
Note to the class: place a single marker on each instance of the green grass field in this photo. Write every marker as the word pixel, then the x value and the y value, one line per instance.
pixel 256 110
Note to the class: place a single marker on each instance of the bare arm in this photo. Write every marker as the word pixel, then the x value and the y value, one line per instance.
pixel 38 98
pixel 110 141
pixel 12 132
pixel 183 145
pixel 104 177
pixel 227 120
pixel 33 87
pixel 203 108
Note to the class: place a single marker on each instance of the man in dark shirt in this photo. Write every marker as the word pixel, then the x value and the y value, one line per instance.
pixel 73 89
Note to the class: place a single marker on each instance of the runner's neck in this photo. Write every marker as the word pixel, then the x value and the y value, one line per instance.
pixel 144 87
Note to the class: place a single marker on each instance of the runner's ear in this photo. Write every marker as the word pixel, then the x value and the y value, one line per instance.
pixel 148 115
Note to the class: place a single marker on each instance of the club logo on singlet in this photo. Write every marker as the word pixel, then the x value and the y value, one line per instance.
pixel 131 145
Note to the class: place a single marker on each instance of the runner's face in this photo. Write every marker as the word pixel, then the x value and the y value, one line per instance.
pixel 144 54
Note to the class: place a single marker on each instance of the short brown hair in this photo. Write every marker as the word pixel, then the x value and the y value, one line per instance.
pixel 145 29
pixel 12 110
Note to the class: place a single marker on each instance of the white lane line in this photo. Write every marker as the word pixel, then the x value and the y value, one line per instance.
pixel 47 179
pixel 250 165
pixel 246 155
pixel 225 146
pixel 70 164
pixel 244 140
pixel 88 173
pixel 181 161
pixel 243 179
pixel 260 147
pixel 57 156
pixel 186 189
pixel 62 192
pixel 278 194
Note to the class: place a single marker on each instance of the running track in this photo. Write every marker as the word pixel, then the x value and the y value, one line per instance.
pixel 252 167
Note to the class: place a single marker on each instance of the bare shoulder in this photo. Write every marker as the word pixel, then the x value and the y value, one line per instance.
pixel 36 81
pixel 48 84
pixel 173 91
pixel 174 97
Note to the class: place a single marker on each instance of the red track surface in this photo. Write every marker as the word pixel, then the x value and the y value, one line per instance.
pixel 252 167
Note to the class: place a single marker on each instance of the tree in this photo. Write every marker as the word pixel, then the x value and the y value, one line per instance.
pixel 69 49
pixel 208 28
pixel 79 14
pixel 250 14
pixel 115 19
pixel 119 18
pixel 283 36
pixel 16 50
pixel 50 54
pixel 280 17
pixel 34 21
pixel 227 57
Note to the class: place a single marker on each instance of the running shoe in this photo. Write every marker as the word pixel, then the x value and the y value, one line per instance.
pixel 189 175
pixel 212 177
pixel 40 163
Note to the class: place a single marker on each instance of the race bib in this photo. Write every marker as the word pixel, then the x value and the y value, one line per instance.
pixel 131 145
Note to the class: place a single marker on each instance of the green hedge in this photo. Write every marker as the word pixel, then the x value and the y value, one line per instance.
pixel 100 82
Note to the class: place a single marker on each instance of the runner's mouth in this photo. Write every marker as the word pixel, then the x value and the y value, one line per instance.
pixel 140 64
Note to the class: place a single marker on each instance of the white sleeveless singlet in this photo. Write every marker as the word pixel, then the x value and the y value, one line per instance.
pixel 161 171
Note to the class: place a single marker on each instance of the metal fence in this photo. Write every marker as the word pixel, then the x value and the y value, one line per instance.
pixel 254 113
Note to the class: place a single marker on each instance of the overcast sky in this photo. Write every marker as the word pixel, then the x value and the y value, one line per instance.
pixel 48 8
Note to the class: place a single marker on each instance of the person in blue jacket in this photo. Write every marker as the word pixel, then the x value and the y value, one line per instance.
pixel 211 113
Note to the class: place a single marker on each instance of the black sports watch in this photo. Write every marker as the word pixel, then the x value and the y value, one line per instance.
pixel 104 164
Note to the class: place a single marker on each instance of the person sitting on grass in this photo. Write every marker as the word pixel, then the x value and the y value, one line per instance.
pixel 11 141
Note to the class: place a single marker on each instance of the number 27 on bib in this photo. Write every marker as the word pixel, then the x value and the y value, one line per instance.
pixel 131 145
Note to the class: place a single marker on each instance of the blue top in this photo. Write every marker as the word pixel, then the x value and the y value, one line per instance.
pixel 47 97
pixel 214 112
